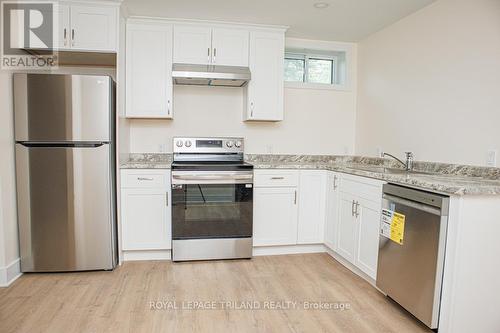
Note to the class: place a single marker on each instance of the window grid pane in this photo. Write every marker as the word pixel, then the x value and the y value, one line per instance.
pixel 320 70
pixel 294 70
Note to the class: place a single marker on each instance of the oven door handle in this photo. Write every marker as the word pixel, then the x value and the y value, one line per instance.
pixel 212 179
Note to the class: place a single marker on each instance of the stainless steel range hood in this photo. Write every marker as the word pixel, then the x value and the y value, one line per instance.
pixel 210 75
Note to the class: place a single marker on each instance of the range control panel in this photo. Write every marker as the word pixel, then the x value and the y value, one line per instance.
pixel 208 145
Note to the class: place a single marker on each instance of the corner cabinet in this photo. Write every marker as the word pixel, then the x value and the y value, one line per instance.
pixel 145 209
pixel 149 89
pixel 264 95
pixel 333 182
pixel 312 205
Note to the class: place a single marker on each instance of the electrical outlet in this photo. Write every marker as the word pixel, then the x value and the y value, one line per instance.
pixel 269 149
pixel 491 159
pixel 162 147
pixel 379 152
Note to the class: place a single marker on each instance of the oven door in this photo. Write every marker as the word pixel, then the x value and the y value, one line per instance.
pixel 212 205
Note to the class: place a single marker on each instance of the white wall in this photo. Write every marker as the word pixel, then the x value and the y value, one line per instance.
pixel 316 122
pixel 8 208
pixel 431 84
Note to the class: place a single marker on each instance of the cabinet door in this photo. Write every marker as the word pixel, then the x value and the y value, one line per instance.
pixel 149 71
pixel 312 202
pixel 64 28
pixel 275 216
pixel 230 47
pixel 146 220
pixel 192 44
pixel 368 236
pixel 332 209
pixel 93 28
pixel 265 89
pixel 347 228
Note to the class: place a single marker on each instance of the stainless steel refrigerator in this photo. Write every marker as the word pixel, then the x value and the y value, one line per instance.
pixel 65 162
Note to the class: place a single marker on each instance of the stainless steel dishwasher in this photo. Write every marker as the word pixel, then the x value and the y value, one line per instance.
pixel 411 250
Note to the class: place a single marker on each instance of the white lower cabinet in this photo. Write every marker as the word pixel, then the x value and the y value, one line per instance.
pixel 358 224
pixel 312 206
pixel 346 227
pixel 368 236
pixel 333 181
pixel 275 216
pixel 289 207
pixel 145 209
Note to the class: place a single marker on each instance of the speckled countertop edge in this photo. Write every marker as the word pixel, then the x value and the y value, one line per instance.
pixel 449 179
pixel 147 161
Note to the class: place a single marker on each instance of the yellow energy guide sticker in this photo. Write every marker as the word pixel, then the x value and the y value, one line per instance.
pixel 393 226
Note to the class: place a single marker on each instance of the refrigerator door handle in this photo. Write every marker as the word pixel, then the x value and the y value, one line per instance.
pixel 61 144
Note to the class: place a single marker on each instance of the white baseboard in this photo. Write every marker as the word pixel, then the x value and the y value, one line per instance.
pixel 287 249
pixel 10 273
pixel 350 266
pixel 147 255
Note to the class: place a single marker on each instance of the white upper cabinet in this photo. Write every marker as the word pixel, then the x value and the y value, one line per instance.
pixel 264 100
pixel 64 28
pixel 203 45
pixel 192 44
pixel 149 71
pixel 93 28
pixel 230 47
pixel 312 202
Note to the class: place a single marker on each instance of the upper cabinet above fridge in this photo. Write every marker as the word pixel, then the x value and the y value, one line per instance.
pixel 80 26
pixel 205 45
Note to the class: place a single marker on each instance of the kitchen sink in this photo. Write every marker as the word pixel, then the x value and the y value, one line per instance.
pixel 381 169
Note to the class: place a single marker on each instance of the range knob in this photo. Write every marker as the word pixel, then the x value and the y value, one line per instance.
pixel 178 143
pixel 187 143
pixel 229 144
pixel 237 144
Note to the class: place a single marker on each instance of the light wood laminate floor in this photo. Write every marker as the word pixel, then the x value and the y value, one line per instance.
pixel 119 301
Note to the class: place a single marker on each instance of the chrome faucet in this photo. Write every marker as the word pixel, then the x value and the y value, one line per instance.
pixel 409 160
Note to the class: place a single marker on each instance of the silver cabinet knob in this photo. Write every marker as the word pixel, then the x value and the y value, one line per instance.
pixel 179 143
pixel 229 144
pixel 187 143
pixel 237 144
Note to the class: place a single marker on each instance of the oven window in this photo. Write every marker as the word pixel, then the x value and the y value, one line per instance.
pixel 212 211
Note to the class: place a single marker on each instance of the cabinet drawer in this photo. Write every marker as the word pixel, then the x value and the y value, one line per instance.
pixel 362 187
pixel 144 178
pixel 276 178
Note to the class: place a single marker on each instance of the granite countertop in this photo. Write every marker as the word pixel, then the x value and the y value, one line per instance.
pixel 441 183
pixel 147 161
pixel 450 179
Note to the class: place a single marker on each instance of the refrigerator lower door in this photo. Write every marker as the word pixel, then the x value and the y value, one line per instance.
pixel 65 208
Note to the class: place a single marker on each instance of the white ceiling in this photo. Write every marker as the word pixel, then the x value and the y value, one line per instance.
pixel 342 20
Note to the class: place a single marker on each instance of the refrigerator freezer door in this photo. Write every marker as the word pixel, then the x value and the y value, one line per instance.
pixel 65 208
pixel 55 108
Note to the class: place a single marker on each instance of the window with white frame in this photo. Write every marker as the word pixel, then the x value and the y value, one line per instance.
pixel 319 68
